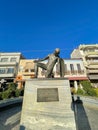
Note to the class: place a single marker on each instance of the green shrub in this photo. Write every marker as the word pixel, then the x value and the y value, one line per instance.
pixel 17 93
pixel 89 91
pixel 12 86
pixel 80 91
pixel 6 94
pixel 12 91
pixel 96 89
pixel 86 84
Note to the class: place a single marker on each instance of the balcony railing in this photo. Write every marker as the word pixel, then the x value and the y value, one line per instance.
pixel 92 71
pixel 7 75
pixel 91 54
pixel 92 62
pixel 7 63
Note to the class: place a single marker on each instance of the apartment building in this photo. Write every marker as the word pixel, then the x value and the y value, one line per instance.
pixel 89 55
pixel 9 63
pixel 25 71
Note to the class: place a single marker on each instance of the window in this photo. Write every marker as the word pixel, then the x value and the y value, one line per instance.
pixel 26 70
pixel 32 70
pixel 2 71
pixel 10 70
pixel 91 49
pixel 4 59
pixel 13 59
pixel 79 67
pixel 72 68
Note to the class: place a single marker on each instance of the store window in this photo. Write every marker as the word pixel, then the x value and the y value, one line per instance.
pixel 72 68
pixel 79 68
pixel 2 70
pixel 10 70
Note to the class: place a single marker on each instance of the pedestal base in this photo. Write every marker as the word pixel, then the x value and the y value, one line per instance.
pixel 47 105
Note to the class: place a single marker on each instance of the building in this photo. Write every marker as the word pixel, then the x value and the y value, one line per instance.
pixel 25 71
pixel 9 63
pixel 89 55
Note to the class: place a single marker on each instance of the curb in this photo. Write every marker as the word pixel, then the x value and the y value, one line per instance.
pixel 8 103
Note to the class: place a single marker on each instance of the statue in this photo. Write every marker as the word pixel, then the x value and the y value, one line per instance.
pixel 52 60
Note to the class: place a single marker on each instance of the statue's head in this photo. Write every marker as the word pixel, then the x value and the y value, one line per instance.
pixel 57 51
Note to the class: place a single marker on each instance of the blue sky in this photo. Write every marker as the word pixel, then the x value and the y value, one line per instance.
pixel 37 27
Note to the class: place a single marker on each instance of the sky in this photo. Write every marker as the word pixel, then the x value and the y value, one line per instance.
pixel 36 27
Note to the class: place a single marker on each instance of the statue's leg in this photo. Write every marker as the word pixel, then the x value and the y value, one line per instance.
pixel 48 73
pixel 36 70
pixel 39 65
pixel 62 68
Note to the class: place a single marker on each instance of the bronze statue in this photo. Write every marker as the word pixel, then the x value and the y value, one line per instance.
pixel 52 59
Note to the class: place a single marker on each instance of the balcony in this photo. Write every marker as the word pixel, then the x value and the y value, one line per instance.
pixel 91 54
pixel 8 63
pixel 92 66
pixel 92 62
pixel 7 75
pixel 28 73
pixel 93 77
pixel 92 71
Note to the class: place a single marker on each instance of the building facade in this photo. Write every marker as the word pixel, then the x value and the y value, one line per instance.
pixel 9 63
pixel 25 71
pixel 89 55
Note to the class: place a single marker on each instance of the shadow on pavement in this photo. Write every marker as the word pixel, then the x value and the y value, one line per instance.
pixel 82 121
pixel 10 118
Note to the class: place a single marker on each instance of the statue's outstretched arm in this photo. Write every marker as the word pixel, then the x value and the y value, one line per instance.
pixel 39 60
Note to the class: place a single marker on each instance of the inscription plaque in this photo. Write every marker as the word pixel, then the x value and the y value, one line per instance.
pixel 47 94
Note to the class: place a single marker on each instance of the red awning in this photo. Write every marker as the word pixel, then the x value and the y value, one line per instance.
pixel 77 78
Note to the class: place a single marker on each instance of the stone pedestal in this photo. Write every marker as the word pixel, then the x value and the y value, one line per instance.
pixel 47 105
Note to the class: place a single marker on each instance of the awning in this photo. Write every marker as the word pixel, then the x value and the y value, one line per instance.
pixel 78 78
